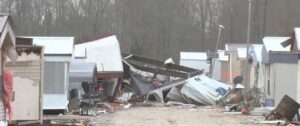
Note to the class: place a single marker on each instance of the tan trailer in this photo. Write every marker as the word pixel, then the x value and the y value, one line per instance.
pixel 28 84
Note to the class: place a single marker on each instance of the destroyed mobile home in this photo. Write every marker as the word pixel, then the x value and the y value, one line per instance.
pixel 150 77
pixel 93 77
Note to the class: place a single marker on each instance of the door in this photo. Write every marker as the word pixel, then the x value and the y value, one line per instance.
pixel 26 100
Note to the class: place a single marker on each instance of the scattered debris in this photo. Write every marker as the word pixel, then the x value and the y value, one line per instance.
pixel 287 108
pixel 175 94
pixel 202 89
pixel 70 122
pixel 261 111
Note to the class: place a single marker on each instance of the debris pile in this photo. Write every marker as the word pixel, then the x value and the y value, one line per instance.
pixel 164 81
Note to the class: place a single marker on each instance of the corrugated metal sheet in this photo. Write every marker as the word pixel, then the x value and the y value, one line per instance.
pixel 55 45
pixel 105 52
pixel 193 55
pixel 274 44
pixel 81 71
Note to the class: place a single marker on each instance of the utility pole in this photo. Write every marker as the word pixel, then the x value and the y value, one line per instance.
pixel 246 82
pixel 221 27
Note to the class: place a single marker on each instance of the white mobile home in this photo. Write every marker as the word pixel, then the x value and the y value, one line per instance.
pixel 280 67
pixel 196 60
pixel 58 54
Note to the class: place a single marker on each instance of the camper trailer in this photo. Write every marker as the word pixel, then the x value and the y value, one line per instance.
pixel 106 53
pixel 57 55
pixel 280 67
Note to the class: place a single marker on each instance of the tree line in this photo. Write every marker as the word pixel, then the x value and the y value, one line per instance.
pixel 154 28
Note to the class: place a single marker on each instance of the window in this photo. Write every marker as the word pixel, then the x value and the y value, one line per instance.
pixel 54 77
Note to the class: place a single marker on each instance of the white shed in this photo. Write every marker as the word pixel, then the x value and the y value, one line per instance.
pixel 196 60
pixel 58 54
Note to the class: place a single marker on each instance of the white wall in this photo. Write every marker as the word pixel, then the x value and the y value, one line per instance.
pixel 216 70
pixel 285 80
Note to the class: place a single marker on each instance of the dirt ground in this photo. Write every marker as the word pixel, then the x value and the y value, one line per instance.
pixel 174 116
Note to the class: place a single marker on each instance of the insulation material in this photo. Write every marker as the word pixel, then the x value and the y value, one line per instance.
pixel 7 87
pixel 8 92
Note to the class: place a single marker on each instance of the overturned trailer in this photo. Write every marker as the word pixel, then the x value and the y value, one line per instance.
pixel 152 77
pixel 57 55
pixel 105 52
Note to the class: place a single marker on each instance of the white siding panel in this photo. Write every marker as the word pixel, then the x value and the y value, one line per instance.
pixel 27 84
pixel 28 100
pixel 285 81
